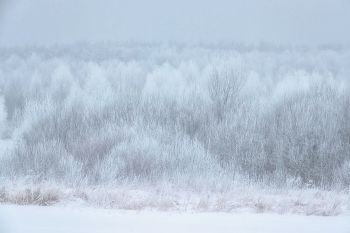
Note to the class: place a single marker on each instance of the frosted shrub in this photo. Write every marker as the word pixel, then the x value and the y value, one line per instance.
pixel 342 174
pixel 45 159
pixel 14 96
pixel 3 115
pixel 96 146
pixel 145 158
pixel 302 134
pixel 35 113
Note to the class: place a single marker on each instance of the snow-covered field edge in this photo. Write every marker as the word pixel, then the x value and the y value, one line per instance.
pixel 167 198
pixel 41 219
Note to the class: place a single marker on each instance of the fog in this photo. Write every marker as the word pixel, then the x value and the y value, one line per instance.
pixel 234 124
pixel 45 22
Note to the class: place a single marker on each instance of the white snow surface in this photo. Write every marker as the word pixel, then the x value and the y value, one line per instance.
pixel 54 219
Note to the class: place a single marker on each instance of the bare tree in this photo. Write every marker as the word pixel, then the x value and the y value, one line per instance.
pixel 224 86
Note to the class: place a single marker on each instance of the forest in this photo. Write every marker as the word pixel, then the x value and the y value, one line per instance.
pixel 173 116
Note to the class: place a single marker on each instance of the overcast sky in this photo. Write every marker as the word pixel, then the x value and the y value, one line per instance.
pixel 44 22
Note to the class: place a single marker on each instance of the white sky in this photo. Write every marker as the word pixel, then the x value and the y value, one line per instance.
pixel 44 22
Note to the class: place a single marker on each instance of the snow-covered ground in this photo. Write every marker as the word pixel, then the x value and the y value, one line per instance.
pixel 36 219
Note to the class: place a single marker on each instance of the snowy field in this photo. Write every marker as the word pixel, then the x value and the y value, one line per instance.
pixel 182 116
pixel 36 219
pixel 174 138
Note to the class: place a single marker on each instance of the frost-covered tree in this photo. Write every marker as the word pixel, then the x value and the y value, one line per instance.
pixel 130 115
pixel 3 115
pixel 225 83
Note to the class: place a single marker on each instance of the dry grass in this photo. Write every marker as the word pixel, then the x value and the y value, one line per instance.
pixel 30 195
pixel 252 199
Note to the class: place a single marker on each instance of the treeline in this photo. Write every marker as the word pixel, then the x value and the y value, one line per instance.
pixel 189 123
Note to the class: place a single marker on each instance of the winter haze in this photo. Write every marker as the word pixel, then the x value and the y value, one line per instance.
pixel 205 116
pixel 44 22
